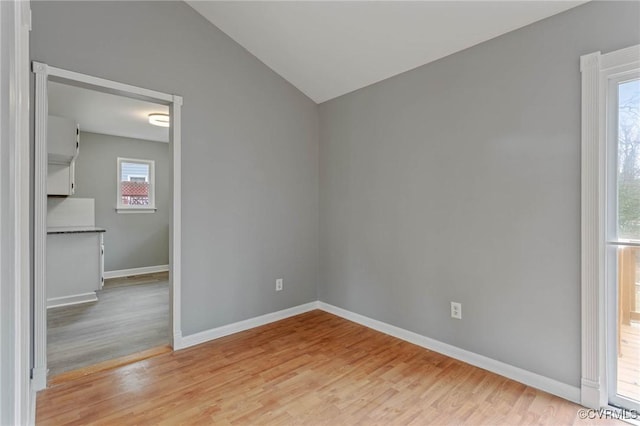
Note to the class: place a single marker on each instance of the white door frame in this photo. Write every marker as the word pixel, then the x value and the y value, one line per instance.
pixel 43 73
pixel 597 69
pixel 17 401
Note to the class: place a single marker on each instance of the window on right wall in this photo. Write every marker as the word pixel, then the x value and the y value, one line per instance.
pixel 136 186
pixel 610 225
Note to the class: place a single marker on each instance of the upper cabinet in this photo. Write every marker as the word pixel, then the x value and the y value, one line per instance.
pixel 63 140
pixel 63 145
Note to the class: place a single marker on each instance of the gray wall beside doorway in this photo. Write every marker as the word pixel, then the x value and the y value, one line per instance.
pixel 132 240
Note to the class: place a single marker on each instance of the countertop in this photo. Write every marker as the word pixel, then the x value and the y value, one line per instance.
pixel 74 229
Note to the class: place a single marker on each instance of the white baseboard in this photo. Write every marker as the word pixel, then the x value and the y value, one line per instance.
pixel 225 330
pixel 135 271
pixel 75 299
pixel 528 378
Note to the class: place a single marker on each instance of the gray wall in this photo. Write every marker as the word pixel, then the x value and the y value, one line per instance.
pixel 131 240
pixel 456 181
pixel 250 149
pixel 460 181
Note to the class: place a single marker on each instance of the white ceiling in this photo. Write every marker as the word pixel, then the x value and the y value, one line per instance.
pixel 104 113
pixel 327 48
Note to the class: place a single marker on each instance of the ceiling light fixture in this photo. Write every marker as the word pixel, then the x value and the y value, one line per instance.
pixel 159 119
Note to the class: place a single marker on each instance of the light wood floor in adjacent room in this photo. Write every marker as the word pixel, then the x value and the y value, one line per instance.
pixel 131 315
pixel 312 369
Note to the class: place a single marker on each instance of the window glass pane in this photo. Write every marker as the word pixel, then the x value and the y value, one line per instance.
pixel 134 183
pixel 629 160
pixel 134 172
pixel 628 335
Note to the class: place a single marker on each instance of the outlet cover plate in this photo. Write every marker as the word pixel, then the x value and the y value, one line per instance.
pixel 456 310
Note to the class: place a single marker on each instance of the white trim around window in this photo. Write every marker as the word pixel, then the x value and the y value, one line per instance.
pixel 597 70
pixel 129 208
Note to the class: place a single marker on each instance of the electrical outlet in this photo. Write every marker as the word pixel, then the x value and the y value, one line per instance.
pixel 456 310
pixel 279 284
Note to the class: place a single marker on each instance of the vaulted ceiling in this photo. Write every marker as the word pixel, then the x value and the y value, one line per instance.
pixel 327 48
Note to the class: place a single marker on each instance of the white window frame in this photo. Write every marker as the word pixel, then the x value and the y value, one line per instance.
pixel 597 71
pixel 612 239
pixel 127 208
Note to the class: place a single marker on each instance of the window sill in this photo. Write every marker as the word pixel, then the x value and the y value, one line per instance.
pixel 129 210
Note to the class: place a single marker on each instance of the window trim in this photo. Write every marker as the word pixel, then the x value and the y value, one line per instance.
pixel 596 69
pixel 127 208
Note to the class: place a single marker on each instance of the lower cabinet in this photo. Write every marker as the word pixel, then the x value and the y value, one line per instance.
pixel 74 267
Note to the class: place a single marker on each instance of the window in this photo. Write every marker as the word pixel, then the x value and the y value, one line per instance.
pixel 610 243
pixel 622 194
pixel 136 186
pixel 626 143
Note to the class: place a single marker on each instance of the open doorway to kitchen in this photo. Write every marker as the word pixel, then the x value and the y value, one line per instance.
pixel 107 228
pixel 107 224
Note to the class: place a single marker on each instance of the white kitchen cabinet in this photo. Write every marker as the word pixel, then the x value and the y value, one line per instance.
pixel 63 146
pixel 74 265
pixel 59 179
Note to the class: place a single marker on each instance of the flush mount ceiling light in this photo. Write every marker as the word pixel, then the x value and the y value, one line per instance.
pixel 159 119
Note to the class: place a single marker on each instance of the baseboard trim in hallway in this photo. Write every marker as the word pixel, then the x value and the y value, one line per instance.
pixel 76 299
pixel 110 364
pixel 135 271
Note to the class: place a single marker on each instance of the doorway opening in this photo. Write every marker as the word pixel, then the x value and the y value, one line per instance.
pixel 130 301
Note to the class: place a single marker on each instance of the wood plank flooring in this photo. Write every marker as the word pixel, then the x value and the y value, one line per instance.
pixel 108 365
pixel 131 315
pixel 311 369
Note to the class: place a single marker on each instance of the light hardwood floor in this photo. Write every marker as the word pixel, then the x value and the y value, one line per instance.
pixel 312 369
pixel 131 315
